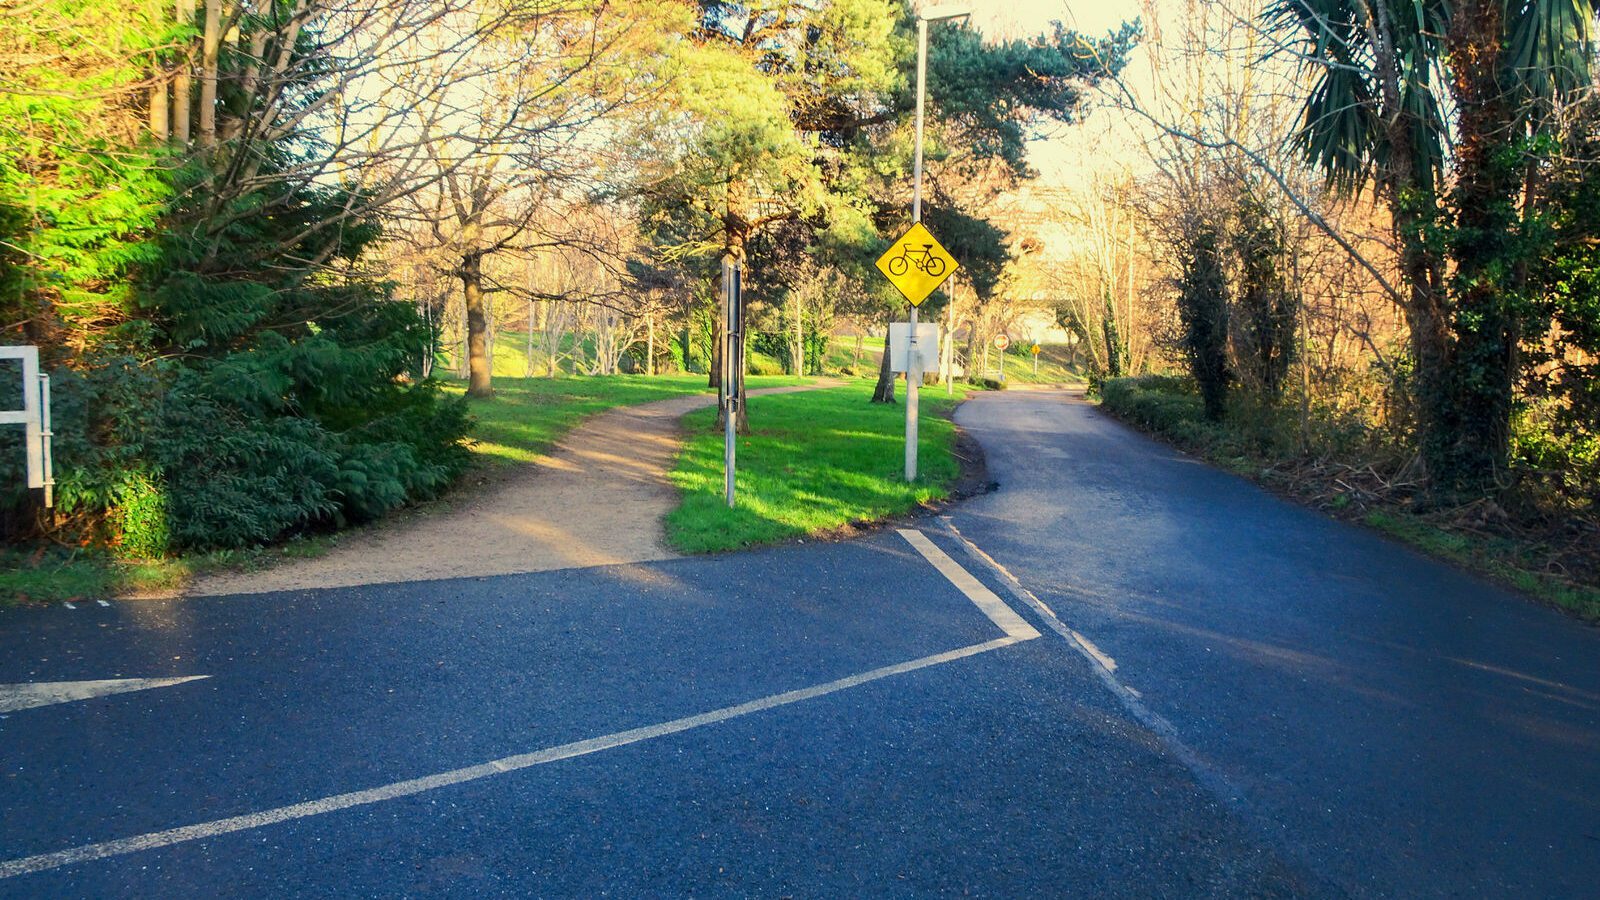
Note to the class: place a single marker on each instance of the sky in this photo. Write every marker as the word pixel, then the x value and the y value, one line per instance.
pixel 1016 17
pixel 1062 159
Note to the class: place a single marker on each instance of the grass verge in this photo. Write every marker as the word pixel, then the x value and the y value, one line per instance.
pixel 814 462
pixel 524 418
pixel 1170 409
pixel 527 415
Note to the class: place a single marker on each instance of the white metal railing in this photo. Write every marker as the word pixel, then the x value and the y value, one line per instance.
pixel 34 417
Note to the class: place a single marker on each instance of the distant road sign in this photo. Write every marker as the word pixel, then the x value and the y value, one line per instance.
pixel 1001 341
pixel 1035 349
pixel 916 264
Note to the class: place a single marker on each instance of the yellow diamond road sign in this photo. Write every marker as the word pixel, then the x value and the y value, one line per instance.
pixel 916 264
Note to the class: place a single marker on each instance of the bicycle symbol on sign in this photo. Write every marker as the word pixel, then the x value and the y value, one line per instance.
pixel 923 259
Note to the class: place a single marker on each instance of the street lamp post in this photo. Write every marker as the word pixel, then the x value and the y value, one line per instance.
pixel 913 372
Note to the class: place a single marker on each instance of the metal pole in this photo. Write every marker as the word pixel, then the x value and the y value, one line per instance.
pixel 729 403
pixel 922 79
pixel 913 372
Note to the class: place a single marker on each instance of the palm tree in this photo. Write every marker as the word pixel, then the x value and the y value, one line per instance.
pixel 1433 104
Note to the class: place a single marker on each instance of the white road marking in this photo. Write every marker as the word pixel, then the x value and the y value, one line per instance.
pixel 992 606
pixel 1132 700
pixel 25 696
pixel 45 861
pixel 68 604
pixel 102 602
pixel 1014 584
pixel 1100 656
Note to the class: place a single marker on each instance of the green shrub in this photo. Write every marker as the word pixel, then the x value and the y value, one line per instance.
pixel 762 364
pixel 143 519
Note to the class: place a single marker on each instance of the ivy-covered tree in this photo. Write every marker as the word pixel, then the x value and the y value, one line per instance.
pixel 1437 105
pixel 1265 307
pixel 1203 315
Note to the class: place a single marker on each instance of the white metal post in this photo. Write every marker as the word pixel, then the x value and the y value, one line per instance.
pixel 45 435
pixel 34 417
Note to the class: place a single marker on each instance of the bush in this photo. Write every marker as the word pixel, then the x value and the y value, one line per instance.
pixel 761 364
pixel 1163 404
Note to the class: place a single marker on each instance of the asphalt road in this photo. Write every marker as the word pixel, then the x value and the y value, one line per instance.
pixel 1231 697
pixel 1387 723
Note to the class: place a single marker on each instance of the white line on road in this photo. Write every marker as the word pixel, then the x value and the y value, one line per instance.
pixel 44 693
pixel 992 606
pixel 1105 668
pixel 202 830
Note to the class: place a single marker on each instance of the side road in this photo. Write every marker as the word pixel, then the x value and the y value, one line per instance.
pixel 1394 725
pixel 597 499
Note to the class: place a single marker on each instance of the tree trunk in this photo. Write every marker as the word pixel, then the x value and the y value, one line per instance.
pixel 799 351
pixel 714 373
pixel 210 47
pixel 650 344
pixel 883 392
pixel 529 367
pixel 160 113
pixel 182 87
pixel 741 422
pixel 478 375
pixel 1484 248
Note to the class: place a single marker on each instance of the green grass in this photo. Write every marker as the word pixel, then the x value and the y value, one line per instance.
pixel 1498 557
pixel 527 415
pixel 1054 367
pixel 524 418
pixel 54 574
pixel 842 355
pixel 813 462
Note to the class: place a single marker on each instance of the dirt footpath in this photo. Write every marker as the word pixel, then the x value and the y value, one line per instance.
pixel 597 499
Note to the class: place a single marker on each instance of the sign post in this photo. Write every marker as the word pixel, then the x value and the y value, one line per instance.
pixel 732 364
pixel 1035 351
pixel 922 264
pixel 1001 342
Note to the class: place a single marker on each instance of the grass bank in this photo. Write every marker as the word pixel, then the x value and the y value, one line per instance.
pixel 527 415
pixel 1259 447
pixel 524 418
pixel 813 463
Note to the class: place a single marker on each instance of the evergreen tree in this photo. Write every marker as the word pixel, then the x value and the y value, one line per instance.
pixel 226 370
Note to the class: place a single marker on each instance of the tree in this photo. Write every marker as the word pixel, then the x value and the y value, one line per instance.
pixel 1203 314
pixel 513 152
pixel 228 369
pixel 1381 77
pixel 1266 308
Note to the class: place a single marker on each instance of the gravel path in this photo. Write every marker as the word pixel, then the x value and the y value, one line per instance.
pixel 597 499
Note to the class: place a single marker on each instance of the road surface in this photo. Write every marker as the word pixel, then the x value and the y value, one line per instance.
pixel 1122 673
